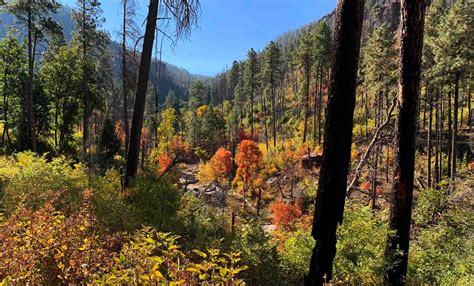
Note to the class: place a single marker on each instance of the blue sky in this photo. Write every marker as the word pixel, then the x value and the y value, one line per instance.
pixel 227 29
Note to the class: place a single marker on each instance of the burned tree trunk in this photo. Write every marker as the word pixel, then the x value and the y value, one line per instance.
pixel 337 139
pixel 411 42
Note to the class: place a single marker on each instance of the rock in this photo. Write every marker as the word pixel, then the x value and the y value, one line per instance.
pixel 214 194
pixel 269 228
pixel 187 179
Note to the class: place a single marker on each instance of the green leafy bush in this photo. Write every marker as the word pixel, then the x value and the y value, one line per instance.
pixel 259 253
pixel 360 247
pixel 33 180
pixel 296 255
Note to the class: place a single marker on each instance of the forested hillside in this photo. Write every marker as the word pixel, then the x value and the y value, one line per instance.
pixel 339 154
pixel 172 78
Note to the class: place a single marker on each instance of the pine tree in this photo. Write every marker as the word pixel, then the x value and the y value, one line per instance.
pixel 271 77
pixel 304 61
pixel 88 18
pixel 12 84
pixel 321 53
pixel 453 52
pixel 36 16
pixel 251 82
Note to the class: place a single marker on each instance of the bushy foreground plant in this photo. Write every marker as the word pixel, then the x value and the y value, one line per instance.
pixel 34 180
pixel 47 247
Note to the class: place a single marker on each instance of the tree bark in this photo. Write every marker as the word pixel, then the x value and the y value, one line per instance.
pixel 85 96
pixel 455 127
pixel 140 97
pixel 430 147
pixel 30 100
pixel 125 78
pixel 450 134
pixel 411 43
pixel 337 139
pixel 320 104
pixel 306 106
pixel 437 179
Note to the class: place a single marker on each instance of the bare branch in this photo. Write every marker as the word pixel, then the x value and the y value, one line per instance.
pixel 376 138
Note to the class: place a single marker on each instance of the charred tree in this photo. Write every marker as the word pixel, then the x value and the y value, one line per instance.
pixel 411 43
pixel 337 139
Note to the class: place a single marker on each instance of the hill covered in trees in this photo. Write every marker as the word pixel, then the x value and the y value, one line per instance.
pixel 340 154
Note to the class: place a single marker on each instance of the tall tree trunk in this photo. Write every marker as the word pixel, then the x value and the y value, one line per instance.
pixel 450 134
pixel 140 97
pixel 29 99
pixel 455 127
pixel 337 139
pixel 320 104
pixel 125 76
pixel 366 113
pixel 315 112
pixel 425 101
pixel 373 195
pixel 441 136
pixel 469 115
pixel 251 103
pixel 274 119
pixel 430 147
pixel 85 96
pixel 411 43
pixel 437 151
pixel 306 106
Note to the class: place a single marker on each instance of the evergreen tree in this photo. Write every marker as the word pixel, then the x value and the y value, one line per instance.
pixel 271 77
pixel 251 82
pixel 304 61
pixel 322 53
pixel 88 18
pixel 36 16
pixel 61 77
pixel 12 84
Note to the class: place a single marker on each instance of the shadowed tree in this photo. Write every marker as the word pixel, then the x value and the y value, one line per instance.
pixel 184 13
pixel 337 139
pixel 411 43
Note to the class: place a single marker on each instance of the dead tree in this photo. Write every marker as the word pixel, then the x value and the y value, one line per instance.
pixel 337 139
pixel 411 42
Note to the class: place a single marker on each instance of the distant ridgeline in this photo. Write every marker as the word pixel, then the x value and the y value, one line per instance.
pixel 172 77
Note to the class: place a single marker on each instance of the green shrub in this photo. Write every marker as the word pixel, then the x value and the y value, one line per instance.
pixel 296 256
pixel 259 253
pixel 360 247
pixel 429 203
pixel 443 254
pixel 32 180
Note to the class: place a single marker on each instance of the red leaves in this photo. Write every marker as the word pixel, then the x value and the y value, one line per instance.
pixel 180 147
pixel 221 162
pixel 284 214
pixel 248 160
pixel 365 186
pixel 164 163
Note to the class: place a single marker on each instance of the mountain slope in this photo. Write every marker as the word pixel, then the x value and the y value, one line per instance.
pixel 172 77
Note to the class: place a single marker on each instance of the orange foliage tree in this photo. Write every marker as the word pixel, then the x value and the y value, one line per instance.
pixel 248 159
pixel 218 167
pixel 164 163
pixel 284 214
